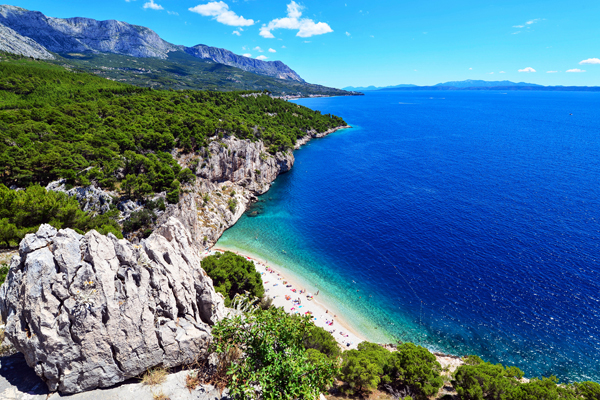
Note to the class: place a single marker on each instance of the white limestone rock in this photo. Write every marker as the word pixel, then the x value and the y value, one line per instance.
pixel 92 311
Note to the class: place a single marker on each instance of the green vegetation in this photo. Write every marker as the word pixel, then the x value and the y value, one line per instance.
pixel 479 380
pixel 233 274
pixel 56 123
pixel 3 273
pixel 266 357
pixel 23 211
pixel 411 368
pixel 181 71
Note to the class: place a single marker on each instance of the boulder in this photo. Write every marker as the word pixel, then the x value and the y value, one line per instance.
pixel 92 311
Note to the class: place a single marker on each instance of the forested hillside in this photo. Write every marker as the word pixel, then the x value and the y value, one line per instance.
pixel 56 123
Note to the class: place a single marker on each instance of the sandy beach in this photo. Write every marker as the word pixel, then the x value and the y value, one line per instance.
pixel 286 293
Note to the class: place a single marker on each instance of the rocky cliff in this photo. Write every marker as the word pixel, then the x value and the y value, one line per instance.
pixel 84 34
pixel 92 311
pixel 231 173
pixel 32 33
pixel 12 42
pixel 276 69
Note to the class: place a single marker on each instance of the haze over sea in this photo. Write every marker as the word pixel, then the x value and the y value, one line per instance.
pixel 467 222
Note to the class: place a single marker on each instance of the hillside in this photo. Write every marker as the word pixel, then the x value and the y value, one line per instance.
pixel 138 55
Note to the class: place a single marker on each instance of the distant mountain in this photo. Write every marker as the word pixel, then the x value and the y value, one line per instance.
pixel 31 33
pixel 479 83
pixel 368 88
pixel 276 69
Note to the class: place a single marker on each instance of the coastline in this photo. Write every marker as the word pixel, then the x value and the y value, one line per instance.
pixel 273 277
pixel 319 306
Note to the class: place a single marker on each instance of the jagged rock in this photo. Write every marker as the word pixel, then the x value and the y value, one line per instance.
pixel 90 198
pixel 92 311
pixel 12 42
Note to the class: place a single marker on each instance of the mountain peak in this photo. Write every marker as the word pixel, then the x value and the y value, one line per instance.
pixel 33 34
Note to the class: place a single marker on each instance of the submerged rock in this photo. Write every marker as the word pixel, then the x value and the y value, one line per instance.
pixel 92 311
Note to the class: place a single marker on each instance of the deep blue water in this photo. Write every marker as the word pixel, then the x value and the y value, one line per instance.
pixel 467 222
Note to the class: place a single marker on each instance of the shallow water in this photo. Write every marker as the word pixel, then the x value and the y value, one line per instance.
pixel 464 221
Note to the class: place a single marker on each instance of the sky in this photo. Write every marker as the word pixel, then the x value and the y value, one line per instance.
pixel 342 43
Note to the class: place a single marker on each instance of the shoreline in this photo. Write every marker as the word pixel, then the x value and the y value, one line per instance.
pixel 273 277
pixel 319 308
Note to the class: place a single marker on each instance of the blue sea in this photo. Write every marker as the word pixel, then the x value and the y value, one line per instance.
pixel 466 221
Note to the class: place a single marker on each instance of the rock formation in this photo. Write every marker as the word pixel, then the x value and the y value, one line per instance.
pixel 12 42
pixel 92 311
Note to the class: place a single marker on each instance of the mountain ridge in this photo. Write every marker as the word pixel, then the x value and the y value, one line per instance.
pixel 36 34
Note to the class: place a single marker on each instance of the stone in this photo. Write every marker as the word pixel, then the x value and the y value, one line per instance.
pixel 92 311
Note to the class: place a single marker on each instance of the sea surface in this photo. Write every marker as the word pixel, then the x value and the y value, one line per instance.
pixel 467 222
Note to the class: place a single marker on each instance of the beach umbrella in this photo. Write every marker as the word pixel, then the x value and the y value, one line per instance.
pixel 309 295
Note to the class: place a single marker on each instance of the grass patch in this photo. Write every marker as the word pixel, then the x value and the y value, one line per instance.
pixel 160 396
pixel 154 376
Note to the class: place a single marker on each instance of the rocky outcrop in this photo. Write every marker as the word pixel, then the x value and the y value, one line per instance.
pixel 231 173
pixel 313 134
pixel 84 34
pixel 92 311
pixel 12 42
pixel 90 198
pixel 276 69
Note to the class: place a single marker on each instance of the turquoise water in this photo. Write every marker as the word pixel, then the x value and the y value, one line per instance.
pixel 465 221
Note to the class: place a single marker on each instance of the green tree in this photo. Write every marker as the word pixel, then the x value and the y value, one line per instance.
pixel 360 372
pixel 233 274
pixel 321 340
pixel 588 390
pixel 486 381
pixel 416 368
pixel 271 362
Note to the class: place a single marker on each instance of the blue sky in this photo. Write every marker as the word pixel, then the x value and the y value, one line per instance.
pixel 389 42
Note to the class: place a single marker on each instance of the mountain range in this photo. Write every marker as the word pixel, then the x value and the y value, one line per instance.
pixel 470 84
pixel 138 55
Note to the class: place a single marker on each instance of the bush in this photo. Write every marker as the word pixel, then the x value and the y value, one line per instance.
pixel 486 381
pixel 322 341
pixel 360 372
pixel 138 220
pixel 417 369
pixel 271 362
pixel 233 274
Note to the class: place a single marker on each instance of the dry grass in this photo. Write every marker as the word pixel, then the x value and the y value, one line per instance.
pixel 154 376
pixel 192 381
pixel 160 396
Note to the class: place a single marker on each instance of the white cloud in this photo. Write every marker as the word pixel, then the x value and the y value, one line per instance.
pixel 220 11
pixel 283 47
pixel 172 12
pixel 272 51
pixel 470 69
pixel 491 73
pixel 247 55
pixel 306 27
pixel 517 32
pixel 153 6
pixel 551 72
pixel 526 24
pixel 236 33
pixel 528 69
pixel 501 72
pixel 257 48
pixel 347 33
pixel 590 61
pixel 261 57
pixel 307 41
pixel 575 70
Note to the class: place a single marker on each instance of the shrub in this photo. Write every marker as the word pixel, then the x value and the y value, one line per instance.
pixel 233 274
pixel 271 362
pixel 322 341
pixel 360 372
pixel 417 369
pixel 486 381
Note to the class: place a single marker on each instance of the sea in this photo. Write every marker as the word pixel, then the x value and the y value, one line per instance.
pixel 467 222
